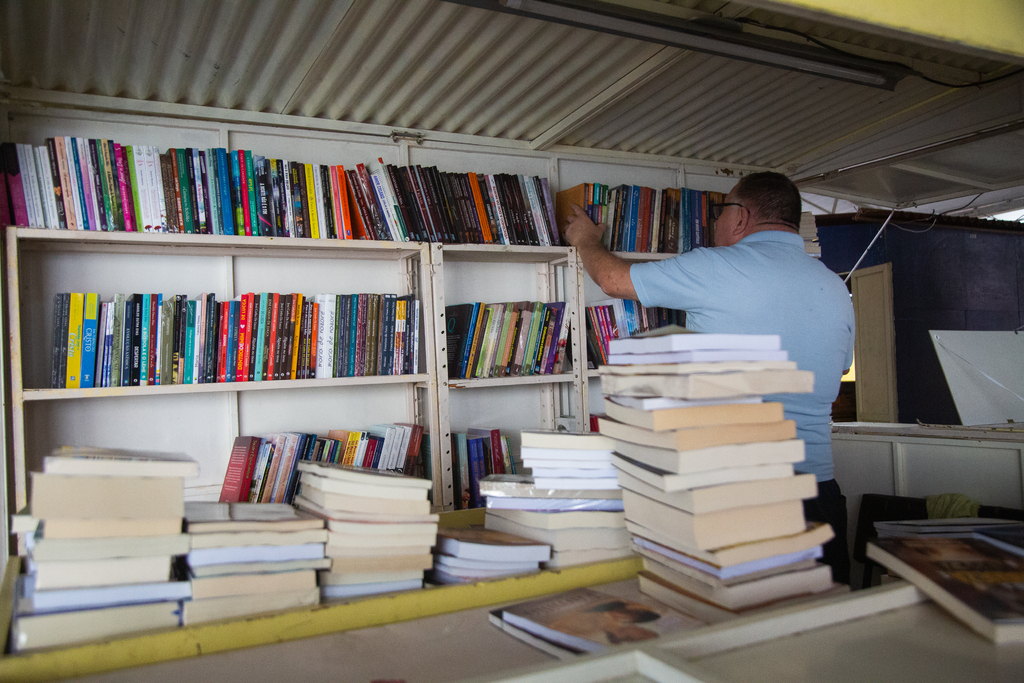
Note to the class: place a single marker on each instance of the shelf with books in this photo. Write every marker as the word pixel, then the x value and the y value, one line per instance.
pixel 640 257
pixel 485 382
pixel 506 253
pixel 218 387
pixel 203 418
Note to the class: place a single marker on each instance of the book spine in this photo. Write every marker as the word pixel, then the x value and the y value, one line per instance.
pixel 74 352
pixel 200 188
pixel 55 178
pixel 250 185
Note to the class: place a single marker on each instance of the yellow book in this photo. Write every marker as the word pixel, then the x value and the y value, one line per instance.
pixel 297 312
pixel 350 447
pixel 74 373
pixel 314 224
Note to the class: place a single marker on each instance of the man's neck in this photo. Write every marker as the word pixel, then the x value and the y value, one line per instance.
pixel 769 225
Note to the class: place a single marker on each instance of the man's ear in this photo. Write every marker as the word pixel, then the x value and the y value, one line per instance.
pixel 740 226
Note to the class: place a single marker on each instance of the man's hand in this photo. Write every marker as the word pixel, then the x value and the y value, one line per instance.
pixel 580 230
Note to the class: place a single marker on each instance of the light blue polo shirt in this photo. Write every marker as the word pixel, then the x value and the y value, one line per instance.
pixel 766 284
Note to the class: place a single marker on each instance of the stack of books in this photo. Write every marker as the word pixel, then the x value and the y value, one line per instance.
pixel 248 559
pixel 474 553
pixel 706 468
pixel 379 527
pixel 477 453
pixel 102 531
pixel 571 502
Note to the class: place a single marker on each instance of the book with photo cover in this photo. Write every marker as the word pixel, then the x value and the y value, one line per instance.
pixel 587 620
pixel 1010 537
pixel 977 582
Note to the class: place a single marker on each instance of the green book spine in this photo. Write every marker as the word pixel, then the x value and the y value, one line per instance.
pixel 257 362
pixel 251 185
pixel 186 198
pixel 105 179
pixel 130 161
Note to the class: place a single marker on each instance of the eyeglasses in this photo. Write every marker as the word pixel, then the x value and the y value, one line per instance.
pixel 717 209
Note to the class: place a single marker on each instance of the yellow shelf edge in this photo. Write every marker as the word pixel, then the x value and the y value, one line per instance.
pixel 266 629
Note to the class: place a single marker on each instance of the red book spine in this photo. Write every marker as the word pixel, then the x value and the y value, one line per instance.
pixel 238 476
pixel 245 353
pixel 222 351
pixel 345 209
pixel 245 192
pixel 243 325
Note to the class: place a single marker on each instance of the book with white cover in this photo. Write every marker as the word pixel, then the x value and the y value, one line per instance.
pixel 259 567
pixel 451 562
pixel 662 403
pixel 580 482
pixel 667 481
pixel 255 553
pixel 119 462
pixel 541 438
pixel 45 549
pixel 212 609
pixel 608 472
pixel 565 454
pixel 675 338
pixel 524 486
pixel 730 495
pixel 562 520
pixel 554 504
pixel 328 578
pixel 567 558
pixel 698 437
pixel 707 385
pixel 30 632
pixel 349 591
pixel 349 488
pixel 697 356
pixel 363 475
pixel 576 538
pixel 210 517
pixel 34 601
pixel 478 543
pixel 717 577
pixel 328 514
pixel 579 465
pixel 230 539
pixel 668 555
pixel 713 457
pixel 105 572
pixel 688 369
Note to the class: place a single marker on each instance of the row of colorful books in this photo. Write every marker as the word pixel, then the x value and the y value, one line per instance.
pixel 89 184
pixel 477 453
pixel 642 219
pixel 144 339
pixel 506 339
pixel 621 318
pixel 262 469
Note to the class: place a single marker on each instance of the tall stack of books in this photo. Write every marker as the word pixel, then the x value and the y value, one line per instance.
pixel 571 502
pixel 380 529
pixel 248 559
pixel 103 529
pixel 706 468
pixel 474 553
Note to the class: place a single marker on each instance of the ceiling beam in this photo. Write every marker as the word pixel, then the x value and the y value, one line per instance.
pixel 951 177
pixel 989 28
pixel 610 96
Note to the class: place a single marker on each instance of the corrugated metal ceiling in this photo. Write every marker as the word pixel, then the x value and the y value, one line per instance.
pixel 436 66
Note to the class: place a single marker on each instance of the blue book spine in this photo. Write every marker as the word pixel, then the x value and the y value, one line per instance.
pixel 224 186
pixel 622 239
pixel 696 218
pixel 634 218
pixel 209 160
pixel 144 341
pixel 90 319
pixel 467 344
pixel 477 469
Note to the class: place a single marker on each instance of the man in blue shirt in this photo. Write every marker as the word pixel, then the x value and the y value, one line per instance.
pixel 757 279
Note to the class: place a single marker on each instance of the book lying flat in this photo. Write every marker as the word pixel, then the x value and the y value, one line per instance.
pixel 685 369
pixel 45 549
pixel 587 620
pixel 246 584
pixel 229 539
pixel 259 567
pixel 309 506
pixel 554 504
pixel 345 487
pixel 725 496
pixel 1009 538
pixel 959 527
pixel 367 476
pixel 680 560
pixel 560 652
pixel 383 551
pixel 355 590
pixel 338 502
pixel 29 632
pixel 694 438
pixel 210 517
pixel 679 339
pixel 586 467
pixel 688 603
pixel 329 578
pixel 667 481
pixel 569 454
pixel 697 356
pixel 523 486
pixel 537 438
pixel 577 483
pixel 697 416
pixel 562 520
pixel 117 462
pixel 32 601
pixel 711 530
pixel 105 572
pixel 813 535
pixel 449 575
pixel 450 563
pixel 708 385
pixel 425 537
pixel 486 544
pixel 255 553
pixel 559 539
pixel 976 582
pixel 90 497
pixel 567 558
pixel 110 528
pixel 751 592
pixel 543 472
pixel 213 609
pixel 653 403
pixel 713 457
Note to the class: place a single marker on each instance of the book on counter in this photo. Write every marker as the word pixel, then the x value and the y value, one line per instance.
pixel 683 417
pixel 814 534
pixel 524 486
pixel 478 543
pixel 587 620
pixel 702 385
pixel 676 338
pixel 978 583
pixel 698 437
